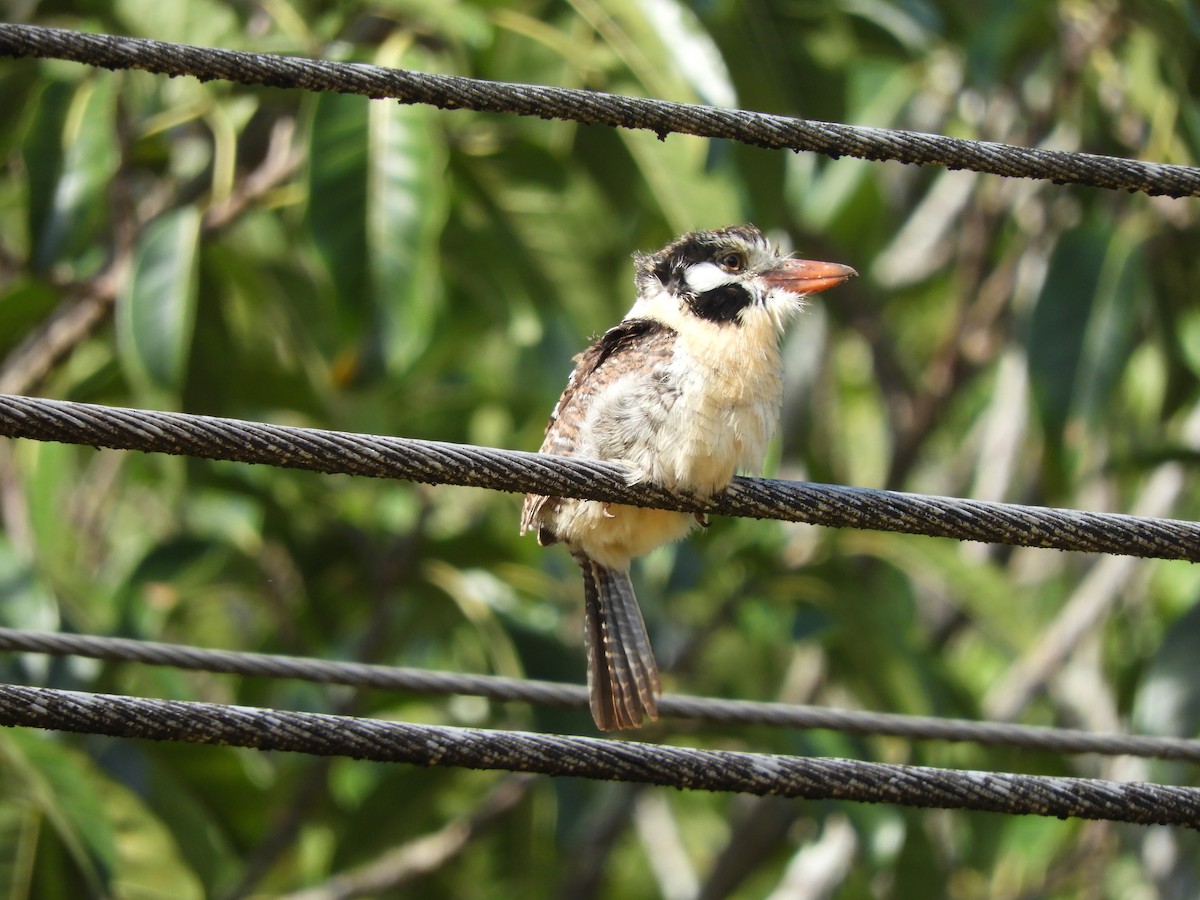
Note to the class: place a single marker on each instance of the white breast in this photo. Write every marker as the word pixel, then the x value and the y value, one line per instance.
pixel 725 417
pixel 692 426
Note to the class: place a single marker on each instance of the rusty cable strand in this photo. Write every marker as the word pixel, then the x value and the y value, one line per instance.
pixel 830 505
pixel 813 778
pixel 597 108
pixel 546 693
pixel 435 462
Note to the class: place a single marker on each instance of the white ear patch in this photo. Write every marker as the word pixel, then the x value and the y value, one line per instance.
pixel 703 277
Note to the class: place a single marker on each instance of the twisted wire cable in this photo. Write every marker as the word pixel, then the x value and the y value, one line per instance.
pixel 593 107
pixel 611 760
pixel 545 693
pixel 506 470
pixel 434 462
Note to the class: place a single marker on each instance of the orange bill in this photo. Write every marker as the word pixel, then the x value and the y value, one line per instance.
pixel 806 276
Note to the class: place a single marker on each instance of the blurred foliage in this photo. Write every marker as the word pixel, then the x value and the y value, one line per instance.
pixel 340 263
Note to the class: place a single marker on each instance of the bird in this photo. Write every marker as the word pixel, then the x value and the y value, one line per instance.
pixel 684 392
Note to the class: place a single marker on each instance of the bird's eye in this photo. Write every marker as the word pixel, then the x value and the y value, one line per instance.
pixel 732 262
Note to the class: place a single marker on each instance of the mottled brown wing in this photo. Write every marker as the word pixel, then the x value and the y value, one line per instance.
pixel 633 344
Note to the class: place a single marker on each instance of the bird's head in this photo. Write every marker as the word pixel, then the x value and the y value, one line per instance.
pixel 729 277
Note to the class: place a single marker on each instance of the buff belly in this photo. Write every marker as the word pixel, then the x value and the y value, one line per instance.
pixel 612 534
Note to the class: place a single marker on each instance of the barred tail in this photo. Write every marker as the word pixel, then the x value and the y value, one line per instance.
pixel 622 674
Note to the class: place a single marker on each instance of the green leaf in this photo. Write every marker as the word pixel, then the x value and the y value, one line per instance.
pixel 1058 325
pixel 156 313
pixel 1168 701
pixel 25 600
pixel 1112 324
pixel 118 847
pixel 207 22
pixel 681 187
pixel 57 783
pixel 149 860
pixel 406 210
pixel 18 834
pixel 377 207
pixel 691 50
pixel 50 472
pixel 91 158
pixel 454 21
pixel 25 304
pixel 337 205
pixel 42 155
pixel 64 222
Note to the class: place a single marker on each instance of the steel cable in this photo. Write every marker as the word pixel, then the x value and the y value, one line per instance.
pixel 433 462
pixel 545 693
pixel 684 768
pixel 593 107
